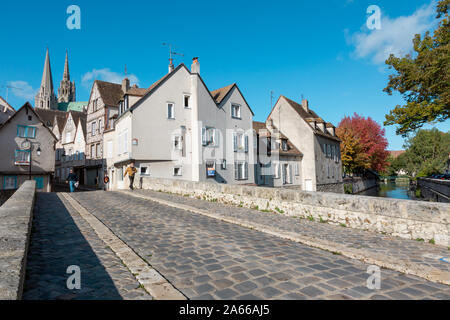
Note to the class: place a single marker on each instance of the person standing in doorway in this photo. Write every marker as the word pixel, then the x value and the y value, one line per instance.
pixel 131 171
pixel 72 179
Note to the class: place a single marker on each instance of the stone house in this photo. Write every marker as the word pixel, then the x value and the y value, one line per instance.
pixel 70 149
pixel 180 130
pixel 278 160
pixel 6 111
pixel 321 166
pixel 26 140
pixel 102 106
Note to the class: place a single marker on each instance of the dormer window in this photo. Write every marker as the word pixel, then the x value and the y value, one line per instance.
pixel 284 145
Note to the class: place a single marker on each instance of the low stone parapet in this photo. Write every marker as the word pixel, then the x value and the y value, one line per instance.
pixel 434 189
pixel 15 227
pixel 403 218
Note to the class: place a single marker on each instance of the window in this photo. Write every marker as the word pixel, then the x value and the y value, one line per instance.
pixel 68 136
pixel 224 164
pixel 144 170
pixel 186 101
pixel 93 151
pixel 210 137
pixel 177 171
pixel 26 131
pixel 120 174
pixel 276 171
pixel 240 142
pixel 22 157
pixel 241 170
pixel 99 151
pixel 296 169
pixel 10 182
pixel 126 103
pixel 100 128
pixel 125 141
pixel 178 142
pixel 284 145
pixel 235 111
pixel 170 111
pixel 94 128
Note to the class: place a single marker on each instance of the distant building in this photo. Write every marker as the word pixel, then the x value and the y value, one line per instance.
pixel 26 139
pixel 279 161
pixel 321 167
pixel 396 154
pixel 6 111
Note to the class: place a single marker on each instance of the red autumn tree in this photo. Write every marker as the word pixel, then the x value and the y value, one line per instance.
pixel 363 144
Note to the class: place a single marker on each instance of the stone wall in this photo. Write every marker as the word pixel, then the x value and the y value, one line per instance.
pixel 403 218
pixel 434 190
pixel 5 195
pixel 15 227
pixel 359 184
pixel 331 187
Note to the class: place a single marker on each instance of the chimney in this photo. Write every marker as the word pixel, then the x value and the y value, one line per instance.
pixel 171 67
pixel 125 85
pixel 305 105
pixel 195 68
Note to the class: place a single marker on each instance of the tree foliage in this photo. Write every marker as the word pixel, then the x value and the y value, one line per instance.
pixel 426 153
pixel 363 144
pixel 423 78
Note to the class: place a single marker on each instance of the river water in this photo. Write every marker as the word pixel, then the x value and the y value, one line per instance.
pixel 390 190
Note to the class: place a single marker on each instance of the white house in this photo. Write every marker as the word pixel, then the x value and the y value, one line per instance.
pixel 180 130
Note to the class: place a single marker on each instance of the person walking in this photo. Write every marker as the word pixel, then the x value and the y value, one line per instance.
pixel 72 179
pixel 131 171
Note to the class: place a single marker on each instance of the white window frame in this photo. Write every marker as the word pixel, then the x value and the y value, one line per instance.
pixel 189 101
pixel 180 173
pixel 177 146
pixel 238 108
pixel 241 170
pixel 171 105
pixel 147 167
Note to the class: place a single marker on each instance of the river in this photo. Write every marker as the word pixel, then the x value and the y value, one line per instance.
pixel 390 190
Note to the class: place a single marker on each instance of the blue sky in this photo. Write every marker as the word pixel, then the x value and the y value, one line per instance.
pixel 322 50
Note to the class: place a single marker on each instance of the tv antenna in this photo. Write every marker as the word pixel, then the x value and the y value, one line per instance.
pixel 171 54
pixel 7 87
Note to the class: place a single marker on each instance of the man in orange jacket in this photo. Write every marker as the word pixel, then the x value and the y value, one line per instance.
pixel 131 171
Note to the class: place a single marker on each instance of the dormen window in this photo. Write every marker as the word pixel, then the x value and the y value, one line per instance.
pixel 186 101
pixel 26 132
pixel 236 111
pixel 284 145
pixel 170 111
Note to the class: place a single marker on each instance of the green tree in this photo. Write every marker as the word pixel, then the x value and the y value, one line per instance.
pixel 423 78
pixel 426 153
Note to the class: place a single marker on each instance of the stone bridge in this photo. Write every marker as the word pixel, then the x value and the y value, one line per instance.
pixel 150 244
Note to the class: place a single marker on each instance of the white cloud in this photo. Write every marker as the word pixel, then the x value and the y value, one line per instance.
pixel 106 75
pixel 395 36
pixel 22 89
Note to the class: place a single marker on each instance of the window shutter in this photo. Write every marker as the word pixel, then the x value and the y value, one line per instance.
pixel 246 144
pixel 235 142
pixel 216 138
pixel 291 177
pixel 236 171
pixel 278 171
pixel 246 171
pixel 204 136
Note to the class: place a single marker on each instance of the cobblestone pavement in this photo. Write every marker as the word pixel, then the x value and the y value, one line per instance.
pixel 61 238
pixel 208 259
pixel 408 250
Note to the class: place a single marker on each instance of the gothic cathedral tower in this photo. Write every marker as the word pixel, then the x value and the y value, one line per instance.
pixel 66 91
pixel 46 98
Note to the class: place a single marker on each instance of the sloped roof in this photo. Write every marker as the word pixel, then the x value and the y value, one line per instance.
pixel 261 129
pixel 310 116
pixel 111 93
pixel 48 117
pixel 28 106
pixel 396 154
pixel 219 94
pixel 139 92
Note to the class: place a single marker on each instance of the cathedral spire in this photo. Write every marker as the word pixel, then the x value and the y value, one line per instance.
pixel 46 97
pixel 66 75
